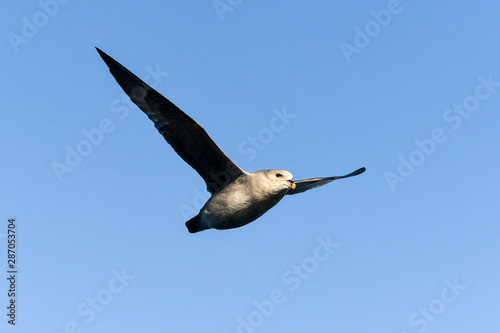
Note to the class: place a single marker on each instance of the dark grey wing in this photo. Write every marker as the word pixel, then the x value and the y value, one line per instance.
pixel 307 184
pixel 185 135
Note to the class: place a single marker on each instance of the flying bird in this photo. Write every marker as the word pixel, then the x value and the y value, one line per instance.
pixel 237 197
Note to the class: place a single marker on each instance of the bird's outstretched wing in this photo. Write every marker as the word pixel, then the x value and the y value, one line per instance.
pixel 185 135
pixel 307 184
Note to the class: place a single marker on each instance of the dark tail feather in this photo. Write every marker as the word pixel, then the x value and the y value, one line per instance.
pixel 194 225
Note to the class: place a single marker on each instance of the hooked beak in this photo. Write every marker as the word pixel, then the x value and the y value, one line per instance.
pixel 290 184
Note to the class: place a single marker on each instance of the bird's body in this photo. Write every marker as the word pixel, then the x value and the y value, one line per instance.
pixel 238 197
pixel 246 199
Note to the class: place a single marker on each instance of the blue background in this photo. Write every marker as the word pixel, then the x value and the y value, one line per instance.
pixel 121 209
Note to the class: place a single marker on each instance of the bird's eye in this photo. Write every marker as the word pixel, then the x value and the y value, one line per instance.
pixel 279 175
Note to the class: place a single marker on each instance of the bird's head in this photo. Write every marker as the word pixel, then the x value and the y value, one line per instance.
pixel 279 180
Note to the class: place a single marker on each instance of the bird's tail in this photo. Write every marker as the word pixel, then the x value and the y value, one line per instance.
pixel 195 225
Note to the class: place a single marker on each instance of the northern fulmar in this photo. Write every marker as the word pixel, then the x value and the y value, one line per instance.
pixel 237 197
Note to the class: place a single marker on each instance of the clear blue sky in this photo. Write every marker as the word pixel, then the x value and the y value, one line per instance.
pixel 410 90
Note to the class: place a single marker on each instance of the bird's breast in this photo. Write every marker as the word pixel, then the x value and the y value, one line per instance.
pixel 236 207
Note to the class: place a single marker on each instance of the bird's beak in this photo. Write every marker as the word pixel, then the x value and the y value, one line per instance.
pixel 290 184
